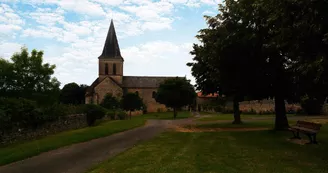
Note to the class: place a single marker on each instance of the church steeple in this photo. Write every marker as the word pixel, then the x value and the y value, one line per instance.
pixel 111 48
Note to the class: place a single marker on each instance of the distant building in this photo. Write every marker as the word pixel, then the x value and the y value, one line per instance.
pixel 203 99
pixel 111 78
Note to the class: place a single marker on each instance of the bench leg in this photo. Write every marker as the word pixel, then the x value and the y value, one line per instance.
pixel 315 139
pixel 312 140
pixel 296 135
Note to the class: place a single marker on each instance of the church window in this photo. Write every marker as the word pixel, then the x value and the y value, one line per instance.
pixel 106 68
pixel 154 94
pixel 114 69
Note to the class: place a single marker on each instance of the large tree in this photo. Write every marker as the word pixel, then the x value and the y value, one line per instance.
pixel 226 61
pixel 176 93
pixel 26 76
pixel 70 94
pixel 131 102
pixel 284 42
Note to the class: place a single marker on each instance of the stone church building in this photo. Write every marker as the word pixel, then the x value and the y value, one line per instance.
pixel 111 78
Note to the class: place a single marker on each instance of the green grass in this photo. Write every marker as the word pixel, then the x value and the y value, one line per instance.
pixel 27 149
pixel 167 115
pixel 224 152
pixel 245 124
pixel 218 116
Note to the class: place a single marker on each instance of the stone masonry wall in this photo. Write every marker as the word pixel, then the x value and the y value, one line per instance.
pixel 146 94
pixel 64 123
pixel 107 86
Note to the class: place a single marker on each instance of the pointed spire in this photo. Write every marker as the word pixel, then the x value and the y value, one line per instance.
pixel 111 47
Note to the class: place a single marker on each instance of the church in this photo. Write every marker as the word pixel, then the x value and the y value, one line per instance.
pixel 111 78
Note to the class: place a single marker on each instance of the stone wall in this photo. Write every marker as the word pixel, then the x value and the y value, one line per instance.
pixel 107 86
pixel 147 95
pixel 64 123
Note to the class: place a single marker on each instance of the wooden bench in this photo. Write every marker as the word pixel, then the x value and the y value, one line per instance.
pixel 308 128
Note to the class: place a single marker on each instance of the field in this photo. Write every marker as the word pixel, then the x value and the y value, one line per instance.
pixel 220 151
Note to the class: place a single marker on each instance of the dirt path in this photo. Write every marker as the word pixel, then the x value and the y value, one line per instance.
pixel 78 158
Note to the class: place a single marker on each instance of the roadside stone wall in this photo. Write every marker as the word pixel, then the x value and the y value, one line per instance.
pixel 64 123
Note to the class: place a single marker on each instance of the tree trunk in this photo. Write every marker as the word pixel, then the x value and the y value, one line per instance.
pixel 130 114
pixel 174 113
pixel 281 122
pixel 236 112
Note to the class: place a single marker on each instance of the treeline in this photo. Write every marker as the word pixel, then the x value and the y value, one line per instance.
pixel 259 49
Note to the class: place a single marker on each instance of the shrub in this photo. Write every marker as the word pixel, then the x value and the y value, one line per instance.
pixel 249 112
pixel 144 108
pixel 226 110
pixel 54 112
pixel 21 112
pixel 5 122
pixel 122 115
pixel 93 112
pixel 218 108
pixel 111 114
pixel 311 105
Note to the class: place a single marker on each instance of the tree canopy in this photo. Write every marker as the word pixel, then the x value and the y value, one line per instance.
pixel 131 102
pixel 262 49
pixel 110 102
pixel 176 93
pixel 26 76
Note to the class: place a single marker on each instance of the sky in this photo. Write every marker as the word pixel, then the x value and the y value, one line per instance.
pixel 155 36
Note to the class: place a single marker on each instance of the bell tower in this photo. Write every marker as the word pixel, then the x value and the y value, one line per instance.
pixel 111 61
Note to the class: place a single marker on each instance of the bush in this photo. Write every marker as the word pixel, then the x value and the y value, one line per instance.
pixel 226 110
pixel 311 105
pixel 122 115
pixel 21 112
pixel 249 112
pixel 111 114
pixel 218 108
pixel 93 112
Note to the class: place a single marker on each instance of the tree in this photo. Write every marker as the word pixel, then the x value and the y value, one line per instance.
pixel 26 76
pixel 131 102
pixel 70 94
pixel 82 91
pixel 224 62
pixel 110 102
pixel 176 93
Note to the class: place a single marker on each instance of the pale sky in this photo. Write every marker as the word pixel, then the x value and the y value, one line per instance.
pixel 155 36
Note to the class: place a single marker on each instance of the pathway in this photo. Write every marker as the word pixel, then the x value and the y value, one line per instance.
pixel 78 158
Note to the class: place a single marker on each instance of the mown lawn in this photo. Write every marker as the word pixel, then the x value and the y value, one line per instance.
pixel 27 149
pixel 218 116
pixel 167 115
pixel 224 152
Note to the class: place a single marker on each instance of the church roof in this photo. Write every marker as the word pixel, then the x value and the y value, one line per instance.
pixel 143 81
pixel 111 48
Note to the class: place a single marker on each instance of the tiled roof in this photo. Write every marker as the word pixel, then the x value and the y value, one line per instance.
pixel 200 94
pixel 143 81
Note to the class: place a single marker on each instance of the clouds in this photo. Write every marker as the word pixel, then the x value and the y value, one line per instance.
pixel 9 20
pixel 72 34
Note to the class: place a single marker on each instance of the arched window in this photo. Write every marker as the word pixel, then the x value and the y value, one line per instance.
pixel 154 94
pixel 114 69
pixel 106 68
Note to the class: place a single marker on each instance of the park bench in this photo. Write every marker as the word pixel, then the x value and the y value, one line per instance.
pixel 308 128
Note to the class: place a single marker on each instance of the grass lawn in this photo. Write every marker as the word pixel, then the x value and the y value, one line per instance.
pixel 167 115
pixel 218 116
pixel 27 149
pixel 225 152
